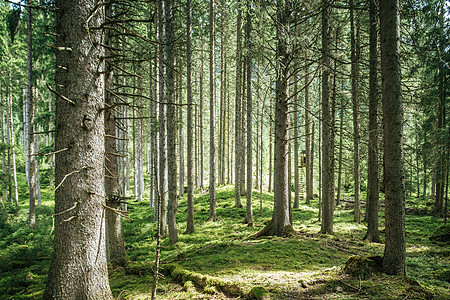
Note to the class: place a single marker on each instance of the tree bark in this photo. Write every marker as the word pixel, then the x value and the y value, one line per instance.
pixel 308 140
pixel 355 100
pixel 30 116
pixel 248 35
pixel 78 269
pixel 327 146
pixel 212 146
pixel 237 119
pixel 162 123
pixel 394 261
pixel 372 181
pixel 171 124
pixel 190 228
pixel 180 128
pixel 280 224
pixel 296 146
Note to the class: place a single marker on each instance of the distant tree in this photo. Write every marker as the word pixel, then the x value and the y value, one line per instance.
pixel 237 119
pixel 212 146
pixel 248 40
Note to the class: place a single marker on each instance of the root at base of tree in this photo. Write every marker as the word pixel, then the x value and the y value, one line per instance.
pixel 270 230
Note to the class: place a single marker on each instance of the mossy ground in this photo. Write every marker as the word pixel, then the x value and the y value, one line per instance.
pixel 306 265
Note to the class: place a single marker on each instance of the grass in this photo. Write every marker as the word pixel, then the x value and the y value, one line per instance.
pixel 306 265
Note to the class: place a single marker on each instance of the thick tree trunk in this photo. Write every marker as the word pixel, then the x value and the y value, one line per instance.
pixel 394 261
pixel 327 146
pixel 171 125
pixel 248 38
pixel 212 100
pixel 190 131
pixel 237 119
pixel 280 224
pixel 372 181
pixel 78 269
pixel 30 116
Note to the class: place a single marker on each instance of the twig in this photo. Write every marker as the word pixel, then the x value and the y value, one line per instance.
pixel 60 213
pixel 51 153
pixel 65 177
pixel 58 94
pixel 117 211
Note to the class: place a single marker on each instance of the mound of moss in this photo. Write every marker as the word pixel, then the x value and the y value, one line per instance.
pixel 362 266
pixel 441 235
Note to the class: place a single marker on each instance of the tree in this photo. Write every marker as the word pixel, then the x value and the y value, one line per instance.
pixel 171 125
pixel 78 269
pixel 280 224
pixel 212 146
pixel 355 48
pixel 237 119
pixel 190 131
pixel 248 39
pixel 327 143
pixel 394 261
pixel 29 124
pixel 116 254
pixel 372 181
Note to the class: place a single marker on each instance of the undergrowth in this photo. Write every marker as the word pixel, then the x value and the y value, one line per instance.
pixel 306 265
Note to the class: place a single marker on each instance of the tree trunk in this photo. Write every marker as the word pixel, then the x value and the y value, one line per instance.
pixel 237 119
pixel 12 146
pixel 372 178
pixel 201 123
pixel 308 140
pixel 78 269
pixel 270 157
pixel 50 141
pixel 180 128
pixel 394 261
pixel 162 123
pixel 212 126
pixel 327 146
pixel 341 146
pixel 280 224
pixel 30 136
pixel 248 38
pixel 296 146
pixel 190 228
pixel 171 124
pixel 355 101
pixel 4 192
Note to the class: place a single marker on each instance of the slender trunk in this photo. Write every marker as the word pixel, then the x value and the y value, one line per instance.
pixel 4 192
pixel 212 126
pixel 248 35
pixel 270 157
pixel 425 165
pixel 162 122
pixel 171 124
pixel 308 140
pixel 50 142
pixel 327 146
pixel 30 137
pixel 237 119
pixel 190 132
pixel 201 123
pixel 296 146
pixel 341 146
pixel 355 101
pixel 12 144
pixel 372 181
pixel 394 261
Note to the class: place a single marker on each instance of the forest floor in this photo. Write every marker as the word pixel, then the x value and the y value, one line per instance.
pixel 306 265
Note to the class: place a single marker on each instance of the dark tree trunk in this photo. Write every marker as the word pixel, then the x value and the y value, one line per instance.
pixel 78 269
pixel 372 182
pixel 394 261
pixel 327 146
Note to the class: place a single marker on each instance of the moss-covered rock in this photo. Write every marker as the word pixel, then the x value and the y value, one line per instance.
pixel 363 267
pixel 259 293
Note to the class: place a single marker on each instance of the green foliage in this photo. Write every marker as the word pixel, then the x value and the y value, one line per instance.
pixel 441 235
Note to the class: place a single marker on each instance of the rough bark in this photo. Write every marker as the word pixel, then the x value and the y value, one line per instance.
pixel 327 143
pixel 280 224
pixel 355 100
pixel 162 123
pixel 248 38
pixel 372 181
pixel 237 119
pixel 30 116
pixel 394 261
pixel 171 124
pixel 212 104
pixel 78 269
pixel 190 131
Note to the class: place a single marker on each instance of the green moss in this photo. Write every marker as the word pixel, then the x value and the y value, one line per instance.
pixel 209 289
pixel 361 266
pixel 441 235
pixel 259 293
pixel 188 286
